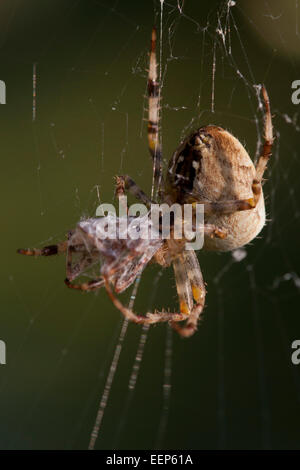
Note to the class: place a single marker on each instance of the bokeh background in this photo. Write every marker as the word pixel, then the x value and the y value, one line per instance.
pixel 232 385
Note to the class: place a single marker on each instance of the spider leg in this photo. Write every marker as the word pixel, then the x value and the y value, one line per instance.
pixel 46 251
pixel 190 286
pixel 213 231
pixel 125 183
pixel 189 280
pixel 94 284
pixel 153 114
pixel 227 207
pixel 183 286
pixel 267 147
pixel 150 318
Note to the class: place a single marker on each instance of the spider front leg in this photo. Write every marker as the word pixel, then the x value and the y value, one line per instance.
pixel 153 115
pixel 125 183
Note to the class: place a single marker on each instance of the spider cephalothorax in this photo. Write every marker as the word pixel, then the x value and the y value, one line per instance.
pixel 210 167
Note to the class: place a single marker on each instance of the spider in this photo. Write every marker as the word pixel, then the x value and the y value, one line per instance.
pixel 210 167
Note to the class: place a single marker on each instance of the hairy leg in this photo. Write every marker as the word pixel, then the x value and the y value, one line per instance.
pixel 153 115
pixel 94 284
pixel 267 147
pixel 150 318
pixel 183 285
pixel 227 207
pixel 125 183
pixel 190 265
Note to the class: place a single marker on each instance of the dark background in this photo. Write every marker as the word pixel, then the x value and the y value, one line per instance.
pixel 233 385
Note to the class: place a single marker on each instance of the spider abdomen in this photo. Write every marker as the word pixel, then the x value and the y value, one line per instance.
pixel 212 166
pixel 240 228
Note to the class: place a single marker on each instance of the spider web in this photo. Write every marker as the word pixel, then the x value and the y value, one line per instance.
pixel 77 375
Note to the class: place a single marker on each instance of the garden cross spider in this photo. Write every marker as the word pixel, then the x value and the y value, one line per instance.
pixel 210 167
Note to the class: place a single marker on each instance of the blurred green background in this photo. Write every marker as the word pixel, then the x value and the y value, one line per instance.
pixel 233 385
